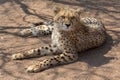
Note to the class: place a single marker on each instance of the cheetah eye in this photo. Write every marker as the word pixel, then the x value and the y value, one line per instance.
pixel 63 17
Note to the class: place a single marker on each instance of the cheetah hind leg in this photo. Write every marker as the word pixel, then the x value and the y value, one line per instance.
pixel 42 51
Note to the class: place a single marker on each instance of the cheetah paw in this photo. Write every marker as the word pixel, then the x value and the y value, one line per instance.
pixel 33 68
pixel 17 56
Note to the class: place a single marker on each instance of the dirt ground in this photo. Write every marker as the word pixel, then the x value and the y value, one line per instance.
pixel 102 63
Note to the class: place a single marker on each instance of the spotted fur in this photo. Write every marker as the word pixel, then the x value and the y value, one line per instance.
pixel 70 36
pixel 38 29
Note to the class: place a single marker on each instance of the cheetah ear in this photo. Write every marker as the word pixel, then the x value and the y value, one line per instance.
pixel 56 10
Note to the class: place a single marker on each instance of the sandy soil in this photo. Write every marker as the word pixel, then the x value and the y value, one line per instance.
pixel 102 63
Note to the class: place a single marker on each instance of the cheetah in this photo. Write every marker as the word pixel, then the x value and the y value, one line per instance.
pixel 70 36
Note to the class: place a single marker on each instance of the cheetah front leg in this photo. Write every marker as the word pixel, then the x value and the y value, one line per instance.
pixel 42 51
pixel 39 30
pixel 55 60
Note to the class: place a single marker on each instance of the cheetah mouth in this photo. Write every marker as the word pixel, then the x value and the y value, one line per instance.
pixel 65 27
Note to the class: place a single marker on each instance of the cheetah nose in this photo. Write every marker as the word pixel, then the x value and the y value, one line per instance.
pixel 67 25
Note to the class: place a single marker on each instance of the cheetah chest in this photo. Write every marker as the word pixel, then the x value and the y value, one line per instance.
pixel 55 38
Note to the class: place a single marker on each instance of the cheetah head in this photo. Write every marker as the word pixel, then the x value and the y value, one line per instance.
pixel 66 18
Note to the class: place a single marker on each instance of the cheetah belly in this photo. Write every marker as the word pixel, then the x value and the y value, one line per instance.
pixel 90 41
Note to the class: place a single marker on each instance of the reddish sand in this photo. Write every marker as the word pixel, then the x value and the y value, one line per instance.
pixel 102 63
